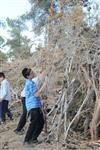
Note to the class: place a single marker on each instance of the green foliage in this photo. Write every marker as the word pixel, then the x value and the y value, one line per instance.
pixel 1 41
pixel 44 4
pixel 3 57
pixel 2 24
pixel 38 14
pixel 74 2
pixel 18 24
pixel 18 44
pixel 40 47
pixel 40 3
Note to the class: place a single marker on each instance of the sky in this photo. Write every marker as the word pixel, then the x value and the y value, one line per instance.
pixel 13 8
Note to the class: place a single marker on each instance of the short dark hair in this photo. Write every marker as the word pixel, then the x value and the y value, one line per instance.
pixel 2 74
pixel 26 72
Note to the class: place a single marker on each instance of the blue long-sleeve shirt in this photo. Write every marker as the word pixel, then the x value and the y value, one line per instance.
pixel 31 100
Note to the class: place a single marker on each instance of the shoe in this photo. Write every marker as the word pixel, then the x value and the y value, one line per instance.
pixel 27 144
pixel 19 132
pixel 36 142
pixel 11 119
pixel 2 122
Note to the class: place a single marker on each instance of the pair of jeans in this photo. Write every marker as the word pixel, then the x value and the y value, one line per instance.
pixel 23 117
pixel 35 126
pixel 5 110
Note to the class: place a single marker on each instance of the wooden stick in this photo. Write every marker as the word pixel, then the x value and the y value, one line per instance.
pixel 78 113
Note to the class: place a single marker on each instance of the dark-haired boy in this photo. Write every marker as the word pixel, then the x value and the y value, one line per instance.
pixel 33 105
pixel 19 130
pixel 5 97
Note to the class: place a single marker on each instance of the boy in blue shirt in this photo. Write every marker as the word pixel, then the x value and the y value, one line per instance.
pixel 33 105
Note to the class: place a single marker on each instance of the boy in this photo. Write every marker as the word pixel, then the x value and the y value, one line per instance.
pixel 23 117
pixel 5 97
pixel 41 83
pixel 33 105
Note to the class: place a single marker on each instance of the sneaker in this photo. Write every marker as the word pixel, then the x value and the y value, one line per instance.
pixel 31 143
pixel 2 122
pixel 19 132
pixel 36 142
pixel 11 119
pixel 27 144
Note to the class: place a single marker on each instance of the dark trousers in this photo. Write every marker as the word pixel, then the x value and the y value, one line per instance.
pixel 36 124
pixel 23 117
pixel 5 110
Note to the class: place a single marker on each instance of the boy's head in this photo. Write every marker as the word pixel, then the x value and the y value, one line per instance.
pixel 2 76
pixel 28 73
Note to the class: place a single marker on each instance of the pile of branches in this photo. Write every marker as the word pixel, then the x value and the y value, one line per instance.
pixel 69 119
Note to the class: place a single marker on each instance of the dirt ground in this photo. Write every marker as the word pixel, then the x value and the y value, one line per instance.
pixel 11 141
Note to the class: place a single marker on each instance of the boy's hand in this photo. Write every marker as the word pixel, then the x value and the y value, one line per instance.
pixel 41 95
pixel 38 94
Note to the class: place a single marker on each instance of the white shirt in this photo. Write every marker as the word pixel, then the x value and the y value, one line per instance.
pixel 36 80
pixel 5 91
pixel 23 92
